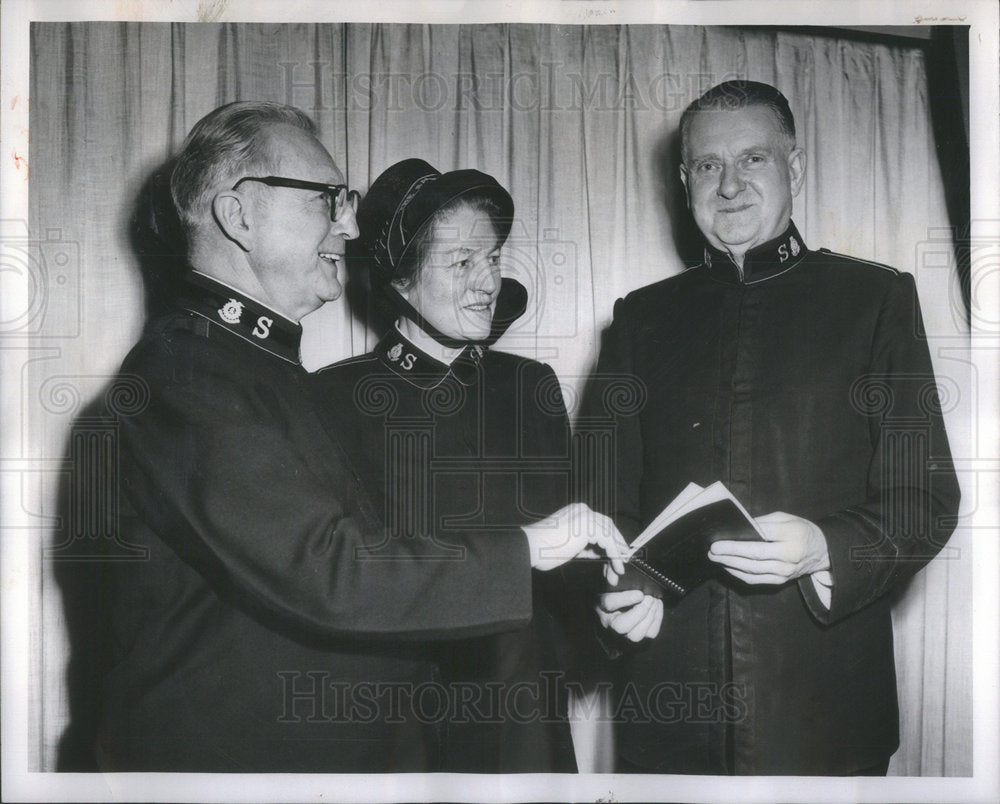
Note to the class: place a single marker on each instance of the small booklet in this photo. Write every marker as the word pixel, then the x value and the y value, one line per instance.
pixel 671 555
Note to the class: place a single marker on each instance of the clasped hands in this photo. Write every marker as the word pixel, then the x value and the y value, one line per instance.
pixel 792 547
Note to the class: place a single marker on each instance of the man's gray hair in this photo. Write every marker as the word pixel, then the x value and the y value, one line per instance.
pixel 225 145
pixel 736 95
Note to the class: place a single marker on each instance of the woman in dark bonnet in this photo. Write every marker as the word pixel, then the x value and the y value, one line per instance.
pixel 455 436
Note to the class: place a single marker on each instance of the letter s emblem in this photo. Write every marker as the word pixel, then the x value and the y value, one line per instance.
pixel 408 361
pixel 263 328
pixel 782 253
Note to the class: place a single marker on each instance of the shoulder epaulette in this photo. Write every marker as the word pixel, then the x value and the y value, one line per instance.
pixel 858 259
pixel 348 361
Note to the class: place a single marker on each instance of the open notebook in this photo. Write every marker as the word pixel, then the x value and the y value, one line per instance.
pixel 672 553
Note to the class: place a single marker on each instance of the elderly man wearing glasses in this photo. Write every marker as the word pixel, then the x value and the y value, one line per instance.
pixel 258 611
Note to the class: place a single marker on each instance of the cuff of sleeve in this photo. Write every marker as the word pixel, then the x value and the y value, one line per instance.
pixel 861 562
pixel 818 607
pixel 822 583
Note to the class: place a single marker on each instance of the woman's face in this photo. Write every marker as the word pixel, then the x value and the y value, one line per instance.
pixel 456 288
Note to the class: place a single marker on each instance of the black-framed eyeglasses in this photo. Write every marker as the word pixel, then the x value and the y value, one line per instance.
pixel 340 196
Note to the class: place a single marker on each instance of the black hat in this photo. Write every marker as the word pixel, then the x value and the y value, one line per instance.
pixel 403 199
pixel 399 204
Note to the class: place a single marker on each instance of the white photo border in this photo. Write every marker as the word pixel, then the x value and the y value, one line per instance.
pixel 17 563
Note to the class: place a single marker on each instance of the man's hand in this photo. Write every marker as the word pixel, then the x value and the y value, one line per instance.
pixel 632 614
pixel 793 547
pixel 574 532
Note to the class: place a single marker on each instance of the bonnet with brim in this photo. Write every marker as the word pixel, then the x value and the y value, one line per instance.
pixel 397 207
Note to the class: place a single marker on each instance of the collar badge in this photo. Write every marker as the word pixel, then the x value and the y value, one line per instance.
pixel 395 352
pixel 231 311
pixel 795 246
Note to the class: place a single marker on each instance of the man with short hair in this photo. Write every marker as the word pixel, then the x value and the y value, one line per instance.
pixel 802 380
pixel 271 627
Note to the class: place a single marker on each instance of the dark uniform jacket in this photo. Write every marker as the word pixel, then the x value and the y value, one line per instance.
pixel 803 382
pixel 456 454
pixel 260 634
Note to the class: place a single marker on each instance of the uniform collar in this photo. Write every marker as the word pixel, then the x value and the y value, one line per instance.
pixel 761 262
pixel 242 315
pixel 418 368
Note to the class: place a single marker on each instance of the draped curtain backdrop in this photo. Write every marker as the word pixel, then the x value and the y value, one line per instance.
pixel 580 123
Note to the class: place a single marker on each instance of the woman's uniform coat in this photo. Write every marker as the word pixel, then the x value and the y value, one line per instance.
pixel 460 453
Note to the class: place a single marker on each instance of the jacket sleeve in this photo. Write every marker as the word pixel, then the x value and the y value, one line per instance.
pixel 913 495
pixel 252 493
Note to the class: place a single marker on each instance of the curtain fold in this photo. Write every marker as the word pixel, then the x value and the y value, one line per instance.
pixel 580 123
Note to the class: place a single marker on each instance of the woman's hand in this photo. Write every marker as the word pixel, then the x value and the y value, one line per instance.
pixel 634 615
pixel 575 531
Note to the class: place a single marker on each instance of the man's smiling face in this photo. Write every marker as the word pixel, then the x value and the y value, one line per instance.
pixel 297 246
pixel 741 172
